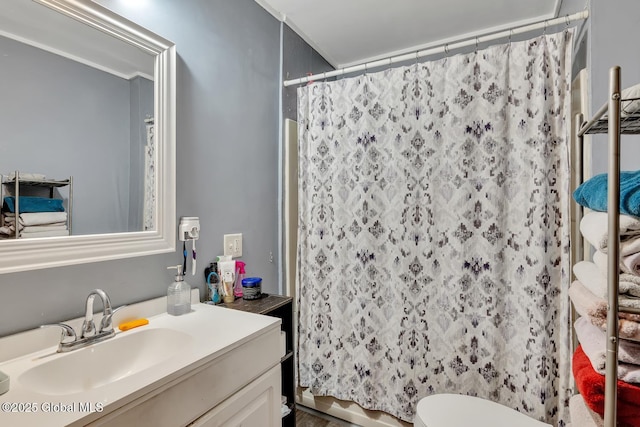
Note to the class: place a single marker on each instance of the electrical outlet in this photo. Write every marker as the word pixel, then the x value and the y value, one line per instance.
pixel 233 245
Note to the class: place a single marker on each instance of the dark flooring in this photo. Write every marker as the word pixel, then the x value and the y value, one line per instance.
pixel 309 418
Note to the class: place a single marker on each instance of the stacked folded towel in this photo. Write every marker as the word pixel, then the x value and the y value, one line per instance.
pixel 595 229
pixel 591 387
pixel 595 310
pixel 588 293
pixel 39 217
pixel 593 193
pixel 26 176
pixel 593 341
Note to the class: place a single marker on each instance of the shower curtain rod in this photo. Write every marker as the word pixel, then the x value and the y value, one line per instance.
pixel 443 48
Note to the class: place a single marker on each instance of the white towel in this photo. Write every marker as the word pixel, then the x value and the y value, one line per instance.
pixel 38 218
pixel 42 228
pixel 594 344
pixel 26 176
pixel 45 234
pixel 593 275
pixel 595 309
pixel 594 228
pixel 581 414
pixel 9 229
pixel 629 264
pixel 628 108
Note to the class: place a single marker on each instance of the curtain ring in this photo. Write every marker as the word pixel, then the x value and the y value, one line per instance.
pixel 476 51
pixel 324 76
pixel 566 20
pixel 544 32
pixel 510 35
pixel 446 48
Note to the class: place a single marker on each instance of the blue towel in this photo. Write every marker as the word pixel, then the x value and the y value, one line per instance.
pixel 593 193
pixel 33 204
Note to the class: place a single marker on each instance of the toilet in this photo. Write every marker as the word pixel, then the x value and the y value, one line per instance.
pixel 457 410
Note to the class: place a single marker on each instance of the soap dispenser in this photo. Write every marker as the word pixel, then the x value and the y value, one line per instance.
pixel 178 294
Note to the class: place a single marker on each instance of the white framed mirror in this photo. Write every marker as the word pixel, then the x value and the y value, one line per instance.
pixel 97 39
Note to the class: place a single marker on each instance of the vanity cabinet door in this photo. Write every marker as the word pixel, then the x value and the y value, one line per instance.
pixel 256 405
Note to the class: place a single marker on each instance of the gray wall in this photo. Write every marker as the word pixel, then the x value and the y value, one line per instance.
pixel 61 118
pixel 227 160
pixel 227 155
pixel 613 27
pixel 298 59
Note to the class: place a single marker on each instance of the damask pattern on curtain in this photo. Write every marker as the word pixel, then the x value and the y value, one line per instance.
pixel 434 231
pixel 149 177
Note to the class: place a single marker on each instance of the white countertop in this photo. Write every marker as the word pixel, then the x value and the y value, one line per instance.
pixel 215 330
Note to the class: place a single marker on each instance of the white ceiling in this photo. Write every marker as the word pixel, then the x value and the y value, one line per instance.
pixel 37 25
pixel 350 32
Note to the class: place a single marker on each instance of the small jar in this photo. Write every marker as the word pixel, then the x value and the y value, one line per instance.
pixel 251 288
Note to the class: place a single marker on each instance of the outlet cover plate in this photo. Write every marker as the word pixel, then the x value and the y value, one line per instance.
pixel 233 245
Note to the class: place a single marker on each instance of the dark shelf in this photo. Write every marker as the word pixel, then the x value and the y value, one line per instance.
pixel 281 307
pixel 40 182
pixel 264 305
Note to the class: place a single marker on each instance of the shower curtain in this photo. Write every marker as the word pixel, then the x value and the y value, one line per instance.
pixel 434 231
pixel 149 177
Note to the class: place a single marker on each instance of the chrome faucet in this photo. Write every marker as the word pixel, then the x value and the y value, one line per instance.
pixel 88 335
pixel 88 327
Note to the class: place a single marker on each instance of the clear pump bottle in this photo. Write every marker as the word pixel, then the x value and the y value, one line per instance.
pixel 178 294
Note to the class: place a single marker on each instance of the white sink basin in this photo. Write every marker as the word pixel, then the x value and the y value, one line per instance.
pixel 103 363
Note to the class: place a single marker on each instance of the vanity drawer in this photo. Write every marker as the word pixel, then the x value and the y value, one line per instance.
pixel 256 405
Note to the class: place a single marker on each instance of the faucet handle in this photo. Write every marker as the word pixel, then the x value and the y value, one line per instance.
pixel 105 323
pixel 88 328
pixel 67 332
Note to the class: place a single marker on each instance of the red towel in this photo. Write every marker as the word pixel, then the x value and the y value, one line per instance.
pixel 591 387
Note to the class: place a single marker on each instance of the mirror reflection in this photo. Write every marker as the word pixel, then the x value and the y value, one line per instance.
pixel 76 115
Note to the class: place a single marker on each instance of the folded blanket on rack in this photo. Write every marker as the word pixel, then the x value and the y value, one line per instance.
pixel 54 233
pixel 594 345
pixel 33 204
pixel 595 310
pixel 594 227
pixel 597 286
pixel 26 176
pixel 629 264
pixel 41 228
pixel 593 193
pixel 629 102
pixel 592 276
pixel 590 384
pixel 582 415
pixel 10 227
pixel 6 231
pixel 38 218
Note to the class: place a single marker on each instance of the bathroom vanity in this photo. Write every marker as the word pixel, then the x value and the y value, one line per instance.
pixel 189 370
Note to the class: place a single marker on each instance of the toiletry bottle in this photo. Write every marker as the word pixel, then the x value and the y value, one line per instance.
pixel 212 281
pixel 178 294
pixel 227 279
pixel 237 289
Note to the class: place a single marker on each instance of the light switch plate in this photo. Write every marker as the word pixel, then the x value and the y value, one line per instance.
pixel 233 245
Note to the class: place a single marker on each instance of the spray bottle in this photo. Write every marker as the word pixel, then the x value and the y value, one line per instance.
pixel 237 289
